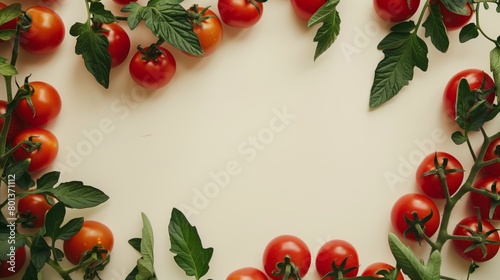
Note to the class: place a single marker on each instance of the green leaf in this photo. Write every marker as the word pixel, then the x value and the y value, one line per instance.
pixel 433 267
pixel 468 32
pixel 20 170
pixel 456 6
pixel 71 228
pixel 404 27
pixel 186 244
pixel 77 195
pixel 434 28
pixel 458 138
pixel 329 30
pixel 7 70
pixel 495 67
pixel 133 274
pixel 5 244
pixel 53 220
pixel 7 34
pixel 471 113
pixel 393 40
pixel 40 251
pixel 406 259
pixel 100 14
pixel 146 263
pixel 10 12
pixel 48 180
pixel 135 243
pixel 31 273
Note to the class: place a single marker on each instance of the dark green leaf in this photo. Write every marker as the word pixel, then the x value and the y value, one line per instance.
pixel 53 220
pixel 465 100
pixel 10 12
pixel 456 6
pixel 30 273
pixel 40 252
pixel 186 244
pixel 406 259
pixel 19 169
pixel 135 243
pixel 132 275
pixel 326 35
pixel 100 14
pixel 404 27
pixel 468 32
pixel 48 180
pixel 77 195
pixel 7 34
pixel 71 228
pixel 458 138
pixel 7 70
pixel 433 267
pixel 76 29
pixel 495 68
pixel 434 28
pixel 5 244
pixel 393 40
pixel 59 254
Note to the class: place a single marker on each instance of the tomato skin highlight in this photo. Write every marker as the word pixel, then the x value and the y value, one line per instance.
pixel 20 254
pixel 47 103
pixel 15 126
pixel 41 158
pixel 454 21
pixel 475 254
pixel 395 10
pixel 152 73
pixel 119 43
pixel 286 245
pixel 46 33
pixel 305 9
pixel 37 205
pixel 210 33
pixel 240 13
pixel 492 169
pixel 247 273
pixel 92 233
pixel 482 202
pixel 374 268
pixel 431 184
pixel 336 251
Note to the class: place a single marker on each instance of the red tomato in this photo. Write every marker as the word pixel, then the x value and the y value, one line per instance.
pixel 124 2
pixel 10 25
pixel 454 21
pixel 46 32
pixel 46 102
pixel 153 72
pixel 247 273
pixel 470 227
pixel 492 169
pixel 240 13
pixel 475 79
pixel 422 206
pixel 92 233
pixel 395 10
pixel 483 202
pixel 15 125
pixel 374 269
pixel 431 184
pixel 335 252
pixel 42 157
pixel 119 43
pixel 36 206
pixel 208 28
pixel 304 9
pixel 13 264
pixel 282 246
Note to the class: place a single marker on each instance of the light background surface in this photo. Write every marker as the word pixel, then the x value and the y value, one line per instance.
pixel 321 174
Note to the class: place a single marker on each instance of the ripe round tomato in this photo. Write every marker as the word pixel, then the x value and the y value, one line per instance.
pixel 119 43
pixel 431 184
pixel 124 2
pixel 374 269
pixel 155 71
pixel 395 10
pixel 92 233
pixel 247 273
pixel 36 206
pixel 46 101
pixel 7 269
pixel 304 9
pixel 15 125
pixel 422 206
pixel 240 13
pixel 454 21
pixel 336 251
pixel 483 202
pixel 475 79
pixel 10 25
pixel 46 32
pixel 492 169
pixel 469 227
pixel 42 157
pixel 286 245
pixel 209 30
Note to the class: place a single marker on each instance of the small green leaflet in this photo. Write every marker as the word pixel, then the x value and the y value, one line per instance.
pixel 10 12
pixel 435 28
pixel 145 264
pixel 53 221
pixel 468 32
pixel 406 259
pixel 456 6
pixel 186 244
pixel 495 67
pixel 77 195
pixel 328 32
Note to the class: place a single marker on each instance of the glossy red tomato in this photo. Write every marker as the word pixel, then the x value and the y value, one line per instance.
pixel 431 184
pixel 492 169
pixel 13 264
pixel 470 227
pixel 395 10
pixel 124 2
pixel 10 25
pixel 375 269
pixel 454 21
pixel 420 204
pixel 475 78
pixel 240 13
pixel 46 32
pixel 46 102
pixel 282 246
pixel 42 157
pixel 209 30
pixel 15 125
pixel 152 72
pixel 119 43
pixel 482 202
pixel 92 233
pixel 336 251
pixel 304 9
pixel 36 206
pixel 247 273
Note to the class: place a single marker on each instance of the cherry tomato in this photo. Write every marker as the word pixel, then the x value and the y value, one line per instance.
pixel 422 206
pixel 240 13
pixel 153 72
pixel 304 9
pixel 454 21
pixel 42 157
pixel 374 269
pixel 46 32
pixel 469 227
pixel 336 251
pixel 247 273
pixel 431 184
pixel 10 25
pixel 483 202
pixel 46 102
pixel 119 43
pixel 475 79
pixel 92 233
pixel 395 10
pixel 36 206
pixel 15 125
pixel 209 30
pixel 492 169
pixel 13 264
pixel 124 2
pixel 286 245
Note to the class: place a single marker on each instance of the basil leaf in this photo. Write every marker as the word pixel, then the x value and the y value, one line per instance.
pixel 330 29
pixel 186 244
pixel 77 195
pixel 434 28
pixel 406 259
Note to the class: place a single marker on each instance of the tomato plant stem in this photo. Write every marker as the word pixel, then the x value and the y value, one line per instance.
pixel 478 24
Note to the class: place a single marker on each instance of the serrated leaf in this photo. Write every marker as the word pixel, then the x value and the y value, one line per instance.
pixel 77 195
pixel 435 28
pixel 326 35
pixel 393 40
pixel 100 14
pixel 53 220
pixel 40 252
pixel 406 259
pixel 186 244
pixel 456 6
pixel 10 12
pixel 495 67
pixel 468 32
pixel 19 169
pixel 135 14
pixel 433 267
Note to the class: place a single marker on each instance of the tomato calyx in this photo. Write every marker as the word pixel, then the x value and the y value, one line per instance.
pixel 198 17
pixel 478 238
pixel 494 196
pixel 152 52
pixel 25 21
pixel 416 225
pixel 93 261
pixel 288 269
pixel 338 272
pixel 441 171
